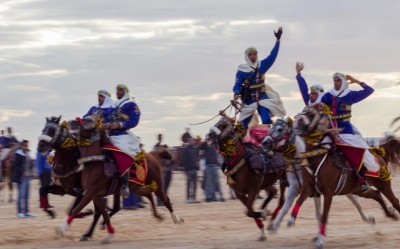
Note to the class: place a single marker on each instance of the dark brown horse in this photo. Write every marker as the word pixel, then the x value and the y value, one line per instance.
pixel 323 177
pixel 6 172
pixel 65 171
pixel 97 185
pixel 226 136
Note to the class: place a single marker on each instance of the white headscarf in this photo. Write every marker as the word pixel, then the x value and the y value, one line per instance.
pixel 344 88
pixel 108 101
pixel 320 90
pixel 126 96
pixel 249 66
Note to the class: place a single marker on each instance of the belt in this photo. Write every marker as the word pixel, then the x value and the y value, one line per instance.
pixel 343 118
pixel 257 86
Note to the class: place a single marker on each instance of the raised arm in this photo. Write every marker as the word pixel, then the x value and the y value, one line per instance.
pixel 357 96
pixel 267 63
pixel 302 83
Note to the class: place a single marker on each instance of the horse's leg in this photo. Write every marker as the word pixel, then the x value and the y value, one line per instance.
pixel 376 195
pixel 248 202
pixel 116 209
pixel 86 199
pixel 364 216
pixel 10 187
pixel 89 234
pixel 385 187
pixel 319 242
pixel 305 192
pixel 271 194
pixel 160 193
pixel 99 203
pixel 154 207
pixel 293 192
pixel 317 204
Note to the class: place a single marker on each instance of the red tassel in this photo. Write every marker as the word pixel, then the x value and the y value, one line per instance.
pixel 295 210
pixel 110 229
pixel 79 120
pixel 70 219
pixel 259 222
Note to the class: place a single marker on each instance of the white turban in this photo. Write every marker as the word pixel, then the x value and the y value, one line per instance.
pixel 108 101
pixel 249 66
pixel 344 88
pixel 320 90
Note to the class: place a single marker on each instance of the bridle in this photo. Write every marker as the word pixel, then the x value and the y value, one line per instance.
pixel 284 135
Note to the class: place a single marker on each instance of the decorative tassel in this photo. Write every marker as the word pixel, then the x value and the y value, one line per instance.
pixel 228 148
pixel 377 151
pixel 314 137
pixel 68 144
pixel 140 157
pixel 290 151
pixel 152 187
pixel 384 174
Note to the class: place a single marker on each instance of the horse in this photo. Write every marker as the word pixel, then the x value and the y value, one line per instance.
pixel 66 172
pixel 6 172
pixel 97 185
pixel 324 177
pixel 281 137
pixel 226 137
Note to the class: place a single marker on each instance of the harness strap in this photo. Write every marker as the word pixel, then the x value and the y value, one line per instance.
pixel 88 159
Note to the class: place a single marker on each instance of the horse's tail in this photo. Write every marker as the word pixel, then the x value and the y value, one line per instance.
pixel 392 152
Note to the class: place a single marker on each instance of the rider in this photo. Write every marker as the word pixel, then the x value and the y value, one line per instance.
pixel 253 91
pixel 316 90
pixel 340 99
pixel 125 116
pixel 104 107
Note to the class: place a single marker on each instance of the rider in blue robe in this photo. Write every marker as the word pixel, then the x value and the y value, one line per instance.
pixel 104 107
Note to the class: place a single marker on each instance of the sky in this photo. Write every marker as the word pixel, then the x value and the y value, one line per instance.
pixel 179 58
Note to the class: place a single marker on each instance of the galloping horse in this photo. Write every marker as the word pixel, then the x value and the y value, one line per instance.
pixel 281 137
pixel 246 184
pixel 325 178
pixel 97 185
pixel 65 171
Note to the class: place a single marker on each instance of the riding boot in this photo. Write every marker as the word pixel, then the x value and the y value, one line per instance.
pixel 364 186
pixel 125 183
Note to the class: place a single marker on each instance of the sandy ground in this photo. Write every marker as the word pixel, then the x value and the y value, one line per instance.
pixel 207 225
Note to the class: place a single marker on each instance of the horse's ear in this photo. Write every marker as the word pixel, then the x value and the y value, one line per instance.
pixel 47 120
pixel 59 118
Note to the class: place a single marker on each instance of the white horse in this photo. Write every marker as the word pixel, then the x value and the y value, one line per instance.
pixel 278 137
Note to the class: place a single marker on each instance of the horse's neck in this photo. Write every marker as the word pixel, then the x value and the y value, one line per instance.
pixel 94 149
pixel 300 145
pixel 66 160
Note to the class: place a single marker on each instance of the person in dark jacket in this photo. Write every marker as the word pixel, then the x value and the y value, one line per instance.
pixel 211 176
pixel 43 169
pixel 21 170
pixel 190 158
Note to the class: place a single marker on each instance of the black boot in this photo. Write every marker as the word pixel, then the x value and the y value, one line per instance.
pixel 79 190
pixel 125 187
pixel 364 186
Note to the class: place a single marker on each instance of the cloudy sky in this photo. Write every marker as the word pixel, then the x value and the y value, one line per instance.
pixel 179 57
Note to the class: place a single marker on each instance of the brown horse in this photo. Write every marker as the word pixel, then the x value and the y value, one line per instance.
pixel 5 174
pixel 323 177
pixel 65 170
pixel 246 184
pixel 97 185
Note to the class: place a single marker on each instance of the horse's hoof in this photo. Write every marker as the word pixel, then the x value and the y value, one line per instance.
pixel 270 226
pixel 262 238
pixel 291 222
pixel 371 220
pixel 107 239
pixel 84 238
pixel 102 227
pixel 319 241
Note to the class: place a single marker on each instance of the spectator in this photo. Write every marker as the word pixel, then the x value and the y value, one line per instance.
pixel 211 176
pixel 3 140
pixel 12 140
pixel 43 169
pixel 166 165
pixel 21 170
pixel 186 136
pixel 190 156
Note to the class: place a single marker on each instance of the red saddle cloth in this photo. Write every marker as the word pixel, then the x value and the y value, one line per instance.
pixel 355 155
pixel 256 134
pixel 125 162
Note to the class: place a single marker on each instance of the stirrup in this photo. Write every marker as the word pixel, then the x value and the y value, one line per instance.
pixel 125 191
pixel 365 188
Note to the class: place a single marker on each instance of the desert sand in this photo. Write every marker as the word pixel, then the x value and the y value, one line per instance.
pixel 207 225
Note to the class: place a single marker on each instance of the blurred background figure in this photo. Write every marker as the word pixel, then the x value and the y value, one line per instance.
pixel 186 136
pixel 9 144
pixel 189 161
pixel 43 170
pixel 211 176
pixel 22 172
pixel 167 166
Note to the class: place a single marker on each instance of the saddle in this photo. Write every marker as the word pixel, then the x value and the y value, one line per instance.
pixel 341 162
pixel 110 167
pixel 264 161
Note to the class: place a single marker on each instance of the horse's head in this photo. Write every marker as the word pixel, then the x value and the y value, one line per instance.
pixel 278 134
pixel 48 139
pixel 224 134
pixel 307 121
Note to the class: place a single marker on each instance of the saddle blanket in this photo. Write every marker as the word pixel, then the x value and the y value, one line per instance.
pixel 255 134
pixel 355 156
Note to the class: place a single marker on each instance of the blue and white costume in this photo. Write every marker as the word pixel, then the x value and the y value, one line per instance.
pixel 105 109
pixel 263 98
pixel 127 114
pixel 340 102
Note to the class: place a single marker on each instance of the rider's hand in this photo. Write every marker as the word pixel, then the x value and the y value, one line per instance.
pixel 299 67
pixel 236 96
pixel 352 80
pixel 115 126
pixel 278 34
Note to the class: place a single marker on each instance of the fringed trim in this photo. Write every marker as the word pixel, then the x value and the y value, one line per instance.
pixel 384 174
pixel 377 151
pixel 152 186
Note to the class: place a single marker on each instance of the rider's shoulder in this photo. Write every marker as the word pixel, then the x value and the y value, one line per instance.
pixel 244 68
